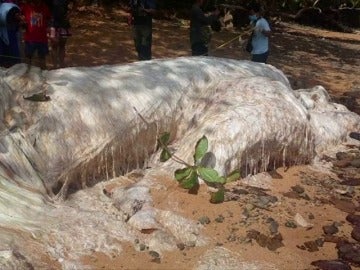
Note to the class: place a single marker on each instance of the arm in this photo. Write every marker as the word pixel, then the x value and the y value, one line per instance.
pixel 205 19
pixel 149 11
pixel 266 32
pixel 150 7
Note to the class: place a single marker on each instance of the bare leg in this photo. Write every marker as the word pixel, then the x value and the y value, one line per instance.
pixel 42 62
pixel 54 44
pixel 61 51
pixel 28 62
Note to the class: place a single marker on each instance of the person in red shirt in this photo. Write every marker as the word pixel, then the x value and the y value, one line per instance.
pixel 37 18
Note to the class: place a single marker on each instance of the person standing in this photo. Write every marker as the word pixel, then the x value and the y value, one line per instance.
pixel 200 32
pixel 37 18
pixel 141 15
pixel 9 34
pixel 260 36
pixel 59 31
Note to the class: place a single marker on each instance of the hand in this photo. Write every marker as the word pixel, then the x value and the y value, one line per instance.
pixel 130 20
pixel 216 12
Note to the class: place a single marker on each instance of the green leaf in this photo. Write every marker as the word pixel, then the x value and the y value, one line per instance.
pixel 233 176
pixel 200 149
pixel 190 181
pixel 218 197
pixel 165 155
pixel 164 139
pixel 210 175
pixel 180 174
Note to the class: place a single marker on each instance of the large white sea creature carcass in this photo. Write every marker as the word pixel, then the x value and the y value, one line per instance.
pixel 102 122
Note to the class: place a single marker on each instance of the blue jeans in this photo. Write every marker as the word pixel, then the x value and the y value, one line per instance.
pixel 260 58
pixel 10 54
pixel 143 38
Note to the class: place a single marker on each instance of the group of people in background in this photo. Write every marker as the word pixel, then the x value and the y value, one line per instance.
pixel 44 23
pixel 141 12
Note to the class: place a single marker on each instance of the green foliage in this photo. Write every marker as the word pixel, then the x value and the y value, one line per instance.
pixel 164 140
pixel 218 197
pixel 165 155
pixel 210 175
pixel 233 176
pixel 201 149
pixel 188 177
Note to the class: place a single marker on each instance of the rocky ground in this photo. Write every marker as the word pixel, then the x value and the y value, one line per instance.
pixel 304 217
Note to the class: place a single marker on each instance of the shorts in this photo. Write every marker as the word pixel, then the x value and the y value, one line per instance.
pixel 41 48
pixel 260 58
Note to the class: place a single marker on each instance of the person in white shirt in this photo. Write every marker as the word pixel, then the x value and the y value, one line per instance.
pixel 260 37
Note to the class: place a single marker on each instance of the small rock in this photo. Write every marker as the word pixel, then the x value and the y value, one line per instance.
pixel 245 214
pixel 262 240
pixel 350 191
pixel 305 196
pixel 341 191
pixel 142 247
pixel 298 189
pixel 272 243
pixel 353 219
pixel 342 163
pixel 240 191
pixel 311 216
pixel 292 195
pixel 301 221
pixel 349 252
pixel 232 238
pixel 319 242
pixel 290 224
pixel 355 163
pixel 204 220
pixel 264 201
pixel 220 219
pixel 311 246
pixel 355 234
pixel 180 246
pixel 331 265
pixel 274 226
pixel 249 207
pixel 244 239
pixel 275 242
pixel 343 156
pixel 344 205
pixel 302 247
pixel 330 229
pixel 333 239
pixel 351 182
pixel 190 243
pixel 154 254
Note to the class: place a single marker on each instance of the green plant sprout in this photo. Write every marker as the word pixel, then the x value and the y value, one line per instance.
pixel 188 177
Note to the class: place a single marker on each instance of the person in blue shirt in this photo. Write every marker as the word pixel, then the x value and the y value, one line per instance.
pixel 260 37
pixel 141 19
pixel 9 38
